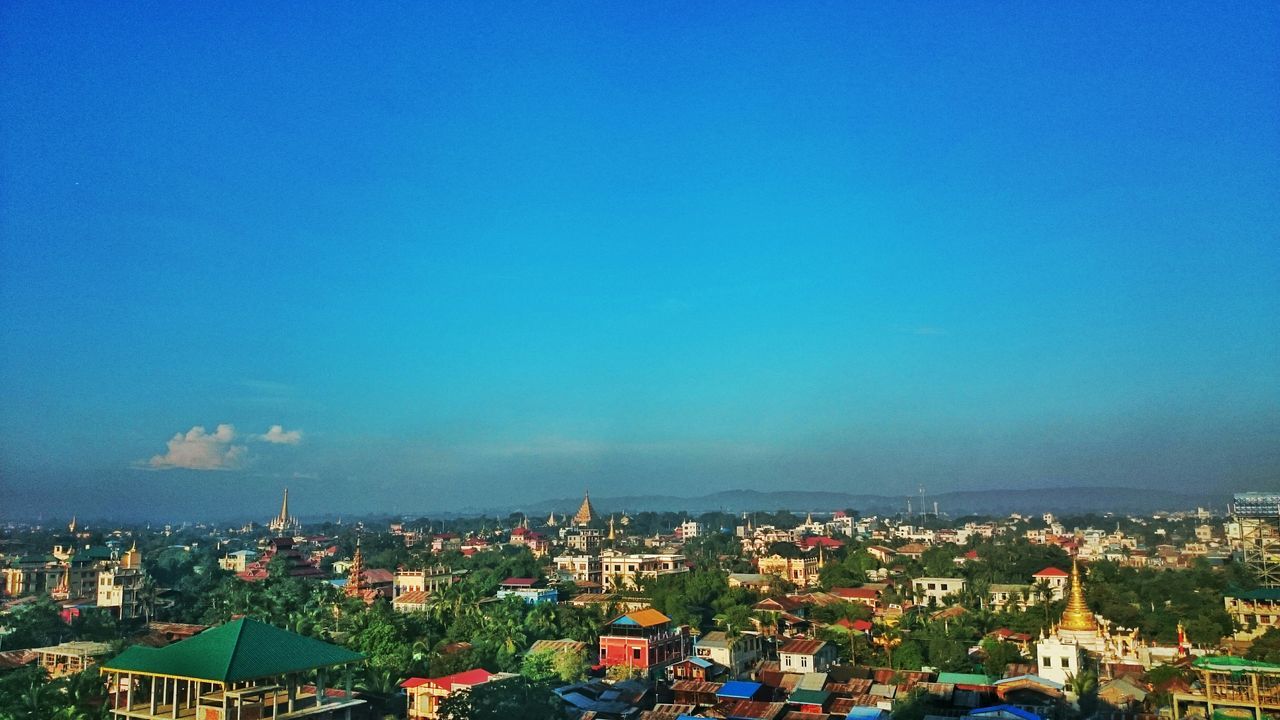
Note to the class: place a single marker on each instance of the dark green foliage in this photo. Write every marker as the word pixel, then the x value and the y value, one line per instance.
pixel 517 697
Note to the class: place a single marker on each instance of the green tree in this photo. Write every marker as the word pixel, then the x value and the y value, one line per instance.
pixel 515 697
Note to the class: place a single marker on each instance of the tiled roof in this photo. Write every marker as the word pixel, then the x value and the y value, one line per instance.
pixel 1052 572
pixel 412 597
pixel 801 646
pixel 378 576
pixel 464 679
pixel 856 593
pixel 519 582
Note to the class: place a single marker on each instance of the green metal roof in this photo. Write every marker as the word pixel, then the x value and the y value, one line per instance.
pixel 1231 663
pixel 243 649
pixel 963 678
pixel 809 697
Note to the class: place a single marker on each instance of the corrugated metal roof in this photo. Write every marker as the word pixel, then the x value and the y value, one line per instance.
pixel 243 649
pixel 801 646
pixel 739 689
pixel 647 617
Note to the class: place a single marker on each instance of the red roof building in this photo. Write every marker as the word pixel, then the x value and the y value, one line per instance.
pixel 643 640
pixel 295 564
pixel 425 694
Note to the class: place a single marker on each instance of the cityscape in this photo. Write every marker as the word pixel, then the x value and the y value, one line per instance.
pixel 640 361
pixel 611 614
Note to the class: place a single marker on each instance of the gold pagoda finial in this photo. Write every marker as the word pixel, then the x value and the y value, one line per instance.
pixel 1077 615
pixel 586 513
pixel 71 526
pixel 612 536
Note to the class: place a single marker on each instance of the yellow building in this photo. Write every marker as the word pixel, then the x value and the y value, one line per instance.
pixel 800 571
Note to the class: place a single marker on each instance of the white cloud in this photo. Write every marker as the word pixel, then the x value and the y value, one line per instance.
pixel 200 450
pixel 277 435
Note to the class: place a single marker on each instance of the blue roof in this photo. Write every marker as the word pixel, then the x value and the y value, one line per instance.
pixel 1010 709
pixel 701 662
pixel 739 689
pixel 864 713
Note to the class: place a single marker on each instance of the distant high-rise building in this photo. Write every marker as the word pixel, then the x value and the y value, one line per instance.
pixel 1257 524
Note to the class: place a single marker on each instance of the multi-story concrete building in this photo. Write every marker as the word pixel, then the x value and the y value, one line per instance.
pixel 580 568
pixel 937 590
pixel 801 571
pixel 625 571
pixel 584 540
pixel 643 641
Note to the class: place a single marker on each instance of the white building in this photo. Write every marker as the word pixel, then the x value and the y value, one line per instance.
pixel 624 571
pixel 739 654
pixel 937 591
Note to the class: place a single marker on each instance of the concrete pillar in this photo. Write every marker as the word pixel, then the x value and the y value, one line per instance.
pixel 292 685
pixel 174 696
pixel 152 683
pixel 320 686
pixel 346 682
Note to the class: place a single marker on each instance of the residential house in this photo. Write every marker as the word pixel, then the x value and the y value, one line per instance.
pixel 739 654
pixel 424 695
pixel 936 590
pixel 801 655
pixel 643 641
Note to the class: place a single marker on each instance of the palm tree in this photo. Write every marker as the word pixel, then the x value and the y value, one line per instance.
pixel 1044 594
pixel 888 639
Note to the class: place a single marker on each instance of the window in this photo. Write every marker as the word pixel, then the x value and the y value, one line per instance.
pixel 931 586
pixel 804 661
pixel 635 653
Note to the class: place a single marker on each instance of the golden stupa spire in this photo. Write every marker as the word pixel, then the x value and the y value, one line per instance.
pixel 586 513
pixel 612 537
pixel 1077 615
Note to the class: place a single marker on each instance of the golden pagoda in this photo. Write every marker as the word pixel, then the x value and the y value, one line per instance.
pixel 586 513
pixel 612 535
pixel 1077 616
pixel 132 559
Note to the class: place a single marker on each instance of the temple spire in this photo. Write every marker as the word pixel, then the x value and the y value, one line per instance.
pixel 1077 616
pixel 355 575
pixel 586 513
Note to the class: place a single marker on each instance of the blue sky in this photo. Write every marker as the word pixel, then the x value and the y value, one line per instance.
pixel 478 253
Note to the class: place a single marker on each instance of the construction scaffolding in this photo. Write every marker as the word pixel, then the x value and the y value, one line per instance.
pixel 1257 519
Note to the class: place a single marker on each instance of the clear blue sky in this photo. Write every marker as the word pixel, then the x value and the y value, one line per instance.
pixel 468 254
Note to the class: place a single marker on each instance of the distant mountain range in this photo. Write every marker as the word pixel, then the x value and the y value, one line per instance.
pixel 963 502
